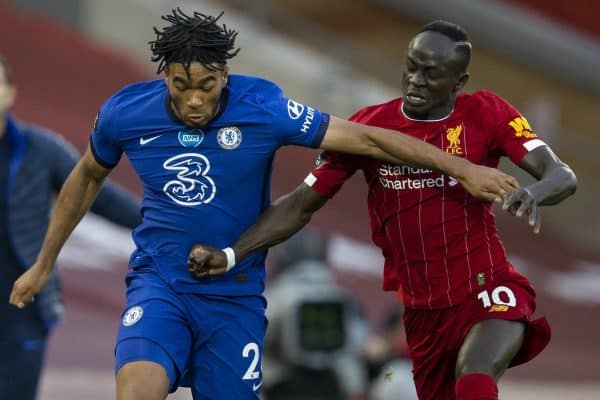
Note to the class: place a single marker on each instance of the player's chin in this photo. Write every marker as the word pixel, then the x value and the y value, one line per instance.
pixel 196 123
pixel 417 107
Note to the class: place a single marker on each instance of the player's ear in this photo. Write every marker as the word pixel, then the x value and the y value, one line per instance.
pixel 462 81
pixel 225 74
pixel 166 73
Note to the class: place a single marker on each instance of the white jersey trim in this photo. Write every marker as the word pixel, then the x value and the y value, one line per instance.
pixel 310 179
pixel 424 120
pixel 533 144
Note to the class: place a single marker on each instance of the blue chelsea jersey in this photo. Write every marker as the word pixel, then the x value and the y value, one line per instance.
pixel 202 185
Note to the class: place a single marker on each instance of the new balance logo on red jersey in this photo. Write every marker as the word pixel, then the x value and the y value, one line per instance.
pixel 404 177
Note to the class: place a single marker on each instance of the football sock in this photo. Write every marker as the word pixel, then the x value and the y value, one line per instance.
pixel 476 387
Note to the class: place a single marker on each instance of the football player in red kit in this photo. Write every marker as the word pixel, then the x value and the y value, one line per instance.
pixel 468 311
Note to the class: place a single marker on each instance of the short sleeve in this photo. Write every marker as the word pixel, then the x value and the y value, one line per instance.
pixel 330 172
pixel 296 123
pixel 514 136
pixel 104 143
pixel 332 169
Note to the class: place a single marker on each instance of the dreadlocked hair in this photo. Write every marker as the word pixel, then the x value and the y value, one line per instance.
pixel 456 33
pixel 195 38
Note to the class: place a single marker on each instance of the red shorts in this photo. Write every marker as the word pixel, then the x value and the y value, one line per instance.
pixel 435 336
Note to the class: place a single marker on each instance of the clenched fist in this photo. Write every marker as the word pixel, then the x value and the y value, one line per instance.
pixel 207 261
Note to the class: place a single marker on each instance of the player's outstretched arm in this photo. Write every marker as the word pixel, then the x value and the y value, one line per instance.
pixel 556 182
pixel 286 216
pixel 348 137
pixel 74 200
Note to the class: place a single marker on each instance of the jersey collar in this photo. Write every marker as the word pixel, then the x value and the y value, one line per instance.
pixel 424 120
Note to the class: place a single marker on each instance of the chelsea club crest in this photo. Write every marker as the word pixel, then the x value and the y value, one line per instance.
pixel 229 137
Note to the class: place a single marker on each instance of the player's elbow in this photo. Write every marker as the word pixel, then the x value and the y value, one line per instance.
pixel 570 182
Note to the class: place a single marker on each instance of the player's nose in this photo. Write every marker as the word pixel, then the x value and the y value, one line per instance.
pixel 195 100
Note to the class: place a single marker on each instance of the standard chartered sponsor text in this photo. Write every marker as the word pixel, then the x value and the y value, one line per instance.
pixel 388 177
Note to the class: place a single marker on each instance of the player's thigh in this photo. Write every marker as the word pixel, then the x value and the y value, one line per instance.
pixel 154 328
pixel 489 347
pixel 20 369
pixel 142 380
pixel 229 364
pixel 494 329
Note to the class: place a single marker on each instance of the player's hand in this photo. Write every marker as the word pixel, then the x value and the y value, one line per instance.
pixel 206 261
pixel 28 285
pixel 487 183
pixel 522 202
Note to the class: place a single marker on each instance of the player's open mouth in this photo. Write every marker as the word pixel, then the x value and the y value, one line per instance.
pixel 196 117
pixel 415 100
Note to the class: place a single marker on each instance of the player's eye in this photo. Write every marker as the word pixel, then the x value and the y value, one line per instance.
pixel 179 87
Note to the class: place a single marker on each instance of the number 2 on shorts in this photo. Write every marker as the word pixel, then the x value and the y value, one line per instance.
pixel 251 372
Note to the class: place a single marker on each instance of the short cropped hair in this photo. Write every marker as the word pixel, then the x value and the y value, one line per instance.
pixel 457 34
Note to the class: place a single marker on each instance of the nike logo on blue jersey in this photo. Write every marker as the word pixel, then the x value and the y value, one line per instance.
pixel 256 386
pixel 144 141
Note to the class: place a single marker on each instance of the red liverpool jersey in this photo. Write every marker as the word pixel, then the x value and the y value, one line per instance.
pixel 439 242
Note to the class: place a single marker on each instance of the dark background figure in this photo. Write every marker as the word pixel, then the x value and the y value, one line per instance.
pixel 390 367
pixel 317 331
pixel 34 163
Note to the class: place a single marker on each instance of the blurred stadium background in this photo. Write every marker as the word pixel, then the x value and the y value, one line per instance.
pixel 542 55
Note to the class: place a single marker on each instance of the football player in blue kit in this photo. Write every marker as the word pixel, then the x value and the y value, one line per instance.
pixel 202 142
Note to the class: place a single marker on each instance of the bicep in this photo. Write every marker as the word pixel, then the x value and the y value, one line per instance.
pixel 354 138
pixel 302 201
pixel 346 137
pixel 91 168
pixel 308 199
pixel 538 161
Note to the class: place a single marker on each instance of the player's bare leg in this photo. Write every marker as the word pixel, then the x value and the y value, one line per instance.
pixel 489 347
pixel 484 355
pixel 142 380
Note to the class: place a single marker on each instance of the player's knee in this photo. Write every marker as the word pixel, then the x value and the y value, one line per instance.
pixel 142 380
pixel 493 366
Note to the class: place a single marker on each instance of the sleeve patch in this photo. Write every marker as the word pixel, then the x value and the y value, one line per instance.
pixel 533 144
pixel 522 128
pixel 320 160
pixel 310 180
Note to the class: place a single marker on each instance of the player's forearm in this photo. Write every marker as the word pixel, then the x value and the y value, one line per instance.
pixel 74 200
pixel 286 216
pixel 277 223
pixel 392 146
pixel 555 186
pixel 403 148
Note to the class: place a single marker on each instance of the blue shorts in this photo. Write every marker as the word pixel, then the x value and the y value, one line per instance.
pixel 214 344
